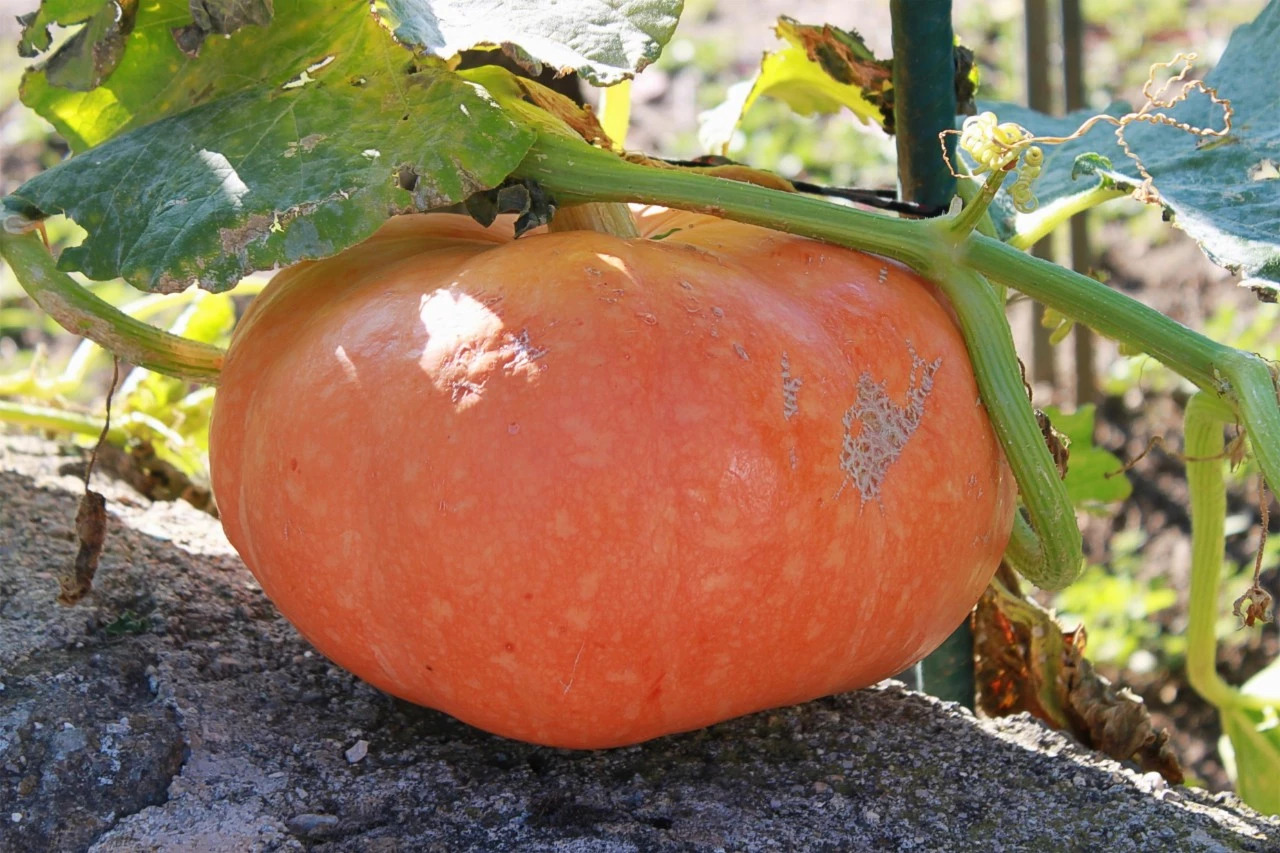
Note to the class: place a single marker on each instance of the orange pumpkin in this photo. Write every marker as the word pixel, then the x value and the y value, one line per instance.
pixel 583 490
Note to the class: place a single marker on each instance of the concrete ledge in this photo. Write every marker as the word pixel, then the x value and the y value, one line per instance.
pixel 174 710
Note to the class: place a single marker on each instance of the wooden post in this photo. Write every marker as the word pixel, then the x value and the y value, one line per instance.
pixel 1081 253
pixel 1039 97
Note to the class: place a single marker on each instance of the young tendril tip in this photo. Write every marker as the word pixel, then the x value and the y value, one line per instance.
pixel 996 146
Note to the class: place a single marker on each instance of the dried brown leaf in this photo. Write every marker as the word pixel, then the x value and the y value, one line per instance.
pixel 91 531
pixel 1026 662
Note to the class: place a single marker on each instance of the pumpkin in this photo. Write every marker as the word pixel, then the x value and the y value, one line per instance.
pixel 583 490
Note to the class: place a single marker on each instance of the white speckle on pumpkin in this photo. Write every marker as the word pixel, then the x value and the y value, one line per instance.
pixel 344 360
pixel 741 351
pixel 790 392
pixel 520 352
pixel 462 390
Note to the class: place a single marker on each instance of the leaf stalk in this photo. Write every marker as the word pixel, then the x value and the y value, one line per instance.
pixel 82 313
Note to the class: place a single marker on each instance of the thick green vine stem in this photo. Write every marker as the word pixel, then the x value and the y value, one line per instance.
pixel 80 312
pixel 1204 420
pixel 1243 381
pixel 573 171
pixel 1052 557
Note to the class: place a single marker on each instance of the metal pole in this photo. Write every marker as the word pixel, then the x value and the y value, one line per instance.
pixel 924 104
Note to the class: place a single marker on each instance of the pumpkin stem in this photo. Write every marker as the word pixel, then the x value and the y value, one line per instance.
pixel 603 217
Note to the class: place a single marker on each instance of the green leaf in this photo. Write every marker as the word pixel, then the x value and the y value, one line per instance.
pixel 1223 192
pixel 275 171
pixel 1093 476
pixel 1061 175
pixel 789 76
pixel 35 37
pixel 155 78
pixel 604 41
pixel 823 70
pixel 1251 743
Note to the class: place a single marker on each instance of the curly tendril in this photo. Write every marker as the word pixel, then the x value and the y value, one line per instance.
pixel 997 146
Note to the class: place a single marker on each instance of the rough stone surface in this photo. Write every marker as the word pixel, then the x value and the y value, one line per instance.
pixel 174 710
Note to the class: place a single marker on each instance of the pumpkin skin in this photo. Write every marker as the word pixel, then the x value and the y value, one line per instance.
pixel 583 491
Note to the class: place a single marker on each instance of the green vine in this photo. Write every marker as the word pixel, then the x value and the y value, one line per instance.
pixel 82 313
pixel 1204 421
pixel 947 254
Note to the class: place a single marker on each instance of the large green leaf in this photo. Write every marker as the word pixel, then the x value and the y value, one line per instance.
pixel 1225 193
pixel 133 63
pixel 305 136
pixel 152 77
pixel 605 41
pixel 1222 192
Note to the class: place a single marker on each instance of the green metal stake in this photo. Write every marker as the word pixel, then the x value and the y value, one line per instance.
pixel 924 105
pixel 924 97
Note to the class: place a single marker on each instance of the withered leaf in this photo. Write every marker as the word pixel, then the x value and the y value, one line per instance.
pixel 1059 445
pixel 1254 606
pixel 1026 662
pixel 91 531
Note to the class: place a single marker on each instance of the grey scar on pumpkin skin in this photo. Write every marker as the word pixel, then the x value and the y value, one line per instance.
pixel 865 457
